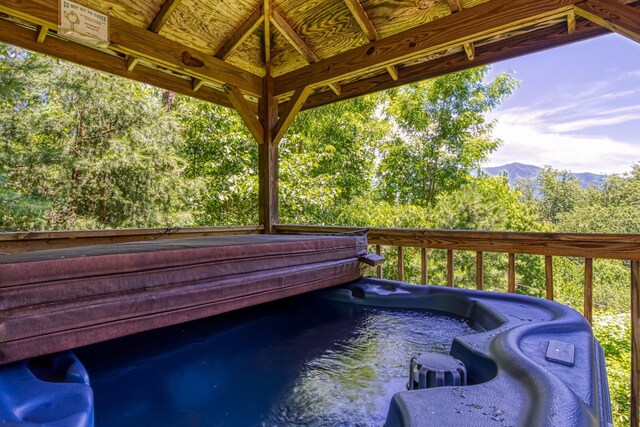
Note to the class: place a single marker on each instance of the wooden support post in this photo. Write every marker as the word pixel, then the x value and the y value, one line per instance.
pixel 450 268
pixel 268 159
pixel 479 274
pixel 423 265
pixel 548 273
pixel 400 263
pixel 635 343
pixel 379 268
pixel 512 274
pixel 588 289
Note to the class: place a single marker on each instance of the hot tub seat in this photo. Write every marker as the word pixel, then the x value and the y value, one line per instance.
pixel 511 382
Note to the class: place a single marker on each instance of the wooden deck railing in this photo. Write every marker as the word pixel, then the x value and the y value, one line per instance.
pixel 549 245
pixel 586 246
pixel 42 240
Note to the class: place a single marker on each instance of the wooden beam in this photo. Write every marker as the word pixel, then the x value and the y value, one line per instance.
pixel 289 114
pixel 267 33
pixel 486 19
pixel 25 38
pixel 523 44
pixel 292 37
pixel 362 19
pixel 197 84
pixel 571 22
pixel 141 43
pixel 246 113
pixel 454 5
pixel 42 34
pixel 612 15
pixel 163 16
pixel 470 50
pixel 240 35
pixel 336 88
pixel 393 72
pixel 131 63
pixel 268 159
pixel 368 29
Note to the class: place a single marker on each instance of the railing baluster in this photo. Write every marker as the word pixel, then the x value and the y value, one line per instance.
pixel 450 268
pixel 479 278
pixel 512 274
pixel 635 343
pixel 423 265
pixel 588 289
pixel 548 273
pixel 379 267
pixel 400 263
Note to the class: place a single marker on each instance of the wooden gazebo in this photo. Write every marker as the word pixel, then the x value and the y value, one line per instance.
pixel 269 59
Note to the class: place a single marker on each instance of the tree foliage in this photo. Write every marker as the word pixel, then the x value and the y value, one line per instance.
pixel 443 135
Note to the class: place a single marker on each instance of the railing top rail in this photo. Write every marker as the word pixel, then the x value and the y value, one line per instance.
pixel 608 246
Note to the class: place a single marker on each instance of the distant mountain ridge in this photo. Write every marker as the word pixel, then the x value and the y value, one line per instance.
pixel 515 171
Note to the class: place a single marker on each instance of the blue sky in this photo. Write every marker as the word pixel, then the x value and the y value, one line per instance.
pixel 577 108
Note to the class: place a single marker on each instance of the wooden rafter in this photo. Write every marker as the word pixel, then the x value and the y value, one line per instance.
pixel 26 38
pixel 131 63
pixel 141 43
pixel 268 12
pixel 469 48
pixel 42 34
pixel 245 30
pixel 163 16
pixel 196 84
pixel 368 29
pixel 613 15
pixel 293 107
pixel 298 44
pixel 527 43
pixel 484 20
pixel 236 98
pixel 454 5
pixel 571 22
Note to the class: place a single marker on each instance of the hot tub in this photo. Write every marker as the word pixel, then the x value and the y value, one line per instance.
pixel 367 353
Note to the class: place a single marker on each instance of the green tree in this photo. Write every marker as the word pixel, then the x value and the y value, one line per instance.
pixel 223 156
pixel 442 136
pixel 81 149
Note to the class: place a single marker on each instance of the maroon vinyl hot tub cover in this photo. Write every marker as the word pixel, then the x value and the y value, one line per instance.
pixel 61 299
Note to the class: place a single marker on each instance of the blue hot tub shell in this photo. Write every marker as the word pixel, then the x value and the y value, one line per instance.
pixel 510 380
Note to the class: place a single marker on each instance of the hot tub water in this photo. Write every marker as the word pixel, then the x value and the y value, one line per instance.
pixel 296 362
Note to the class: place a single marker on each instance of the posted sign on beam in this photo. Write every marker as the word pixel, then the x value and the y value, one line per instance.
pixel 83 25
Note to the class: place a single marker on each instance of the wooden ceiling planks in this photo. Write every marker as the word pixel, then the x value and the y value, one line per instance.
pixel 312 43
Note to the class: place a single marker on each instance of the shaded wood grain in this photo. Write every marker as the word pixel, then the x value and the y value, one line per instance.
pixel 400 263
pixel 268 159
pixel 613 15
pixel 467 26
pixel 241 33
pixel 141 43
pixel 479 273
pixel 450 271
pixel 25 38
pixel 511 274
pixel 162 17
pixel 605 246
pixel 379 267
pixel 548 277
pixel 45 240
pixel 522 44
pixel 424 273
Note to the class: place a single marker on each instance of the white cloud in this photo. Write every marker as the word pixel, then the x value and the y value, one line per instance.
pixel 527 144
